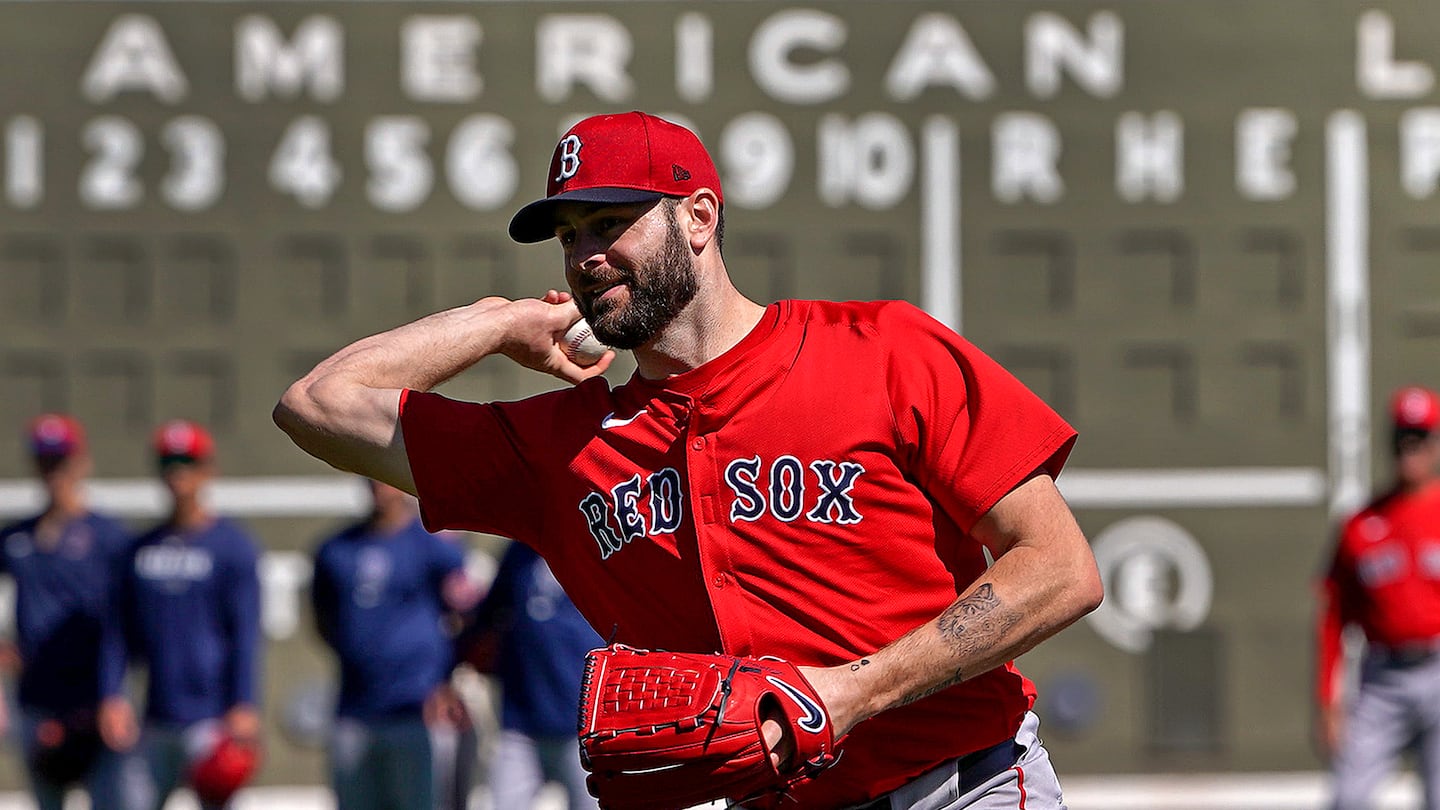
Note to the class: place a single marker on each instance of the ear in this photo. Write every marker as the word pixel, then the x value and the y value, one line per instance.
pixel 702 209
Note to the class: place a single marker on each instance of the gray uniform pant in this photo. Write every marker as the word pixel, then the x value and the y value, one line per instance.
pixel 382 764
pixel 523 764
pixel 105 781
pixel 1030 784
pixel 168 751
pixel 1394 706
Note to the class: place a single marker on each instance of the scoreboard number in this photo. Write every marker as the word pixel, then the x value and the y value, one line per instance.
pixel 303 165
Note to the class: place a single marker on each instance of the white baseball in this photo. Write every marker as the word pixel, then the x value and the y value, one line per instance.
pixel 581 345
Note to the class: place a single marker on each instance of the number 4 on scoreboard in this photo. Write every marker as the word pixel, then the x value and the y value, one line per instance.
pixel 302 165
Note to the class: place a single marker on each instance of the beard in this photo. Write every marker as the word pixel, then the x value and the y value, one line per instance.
pixel 660 286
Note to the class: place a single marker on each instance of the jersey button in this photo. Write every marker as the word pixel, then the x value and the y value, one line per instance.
pixel 719 580
pixel 698 444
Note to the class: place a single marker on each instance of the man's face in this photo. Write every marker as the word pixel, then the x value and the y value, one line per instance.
pixel 60 470
pixel 629 267
pixel 388 500
pixel 1416 456
pixel 184 478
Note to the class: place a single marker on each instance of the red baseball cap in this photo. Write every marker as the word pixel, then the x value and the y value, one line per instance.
pixel 622 158
pixel 183 439
pixel 1415 408
pixel 55 435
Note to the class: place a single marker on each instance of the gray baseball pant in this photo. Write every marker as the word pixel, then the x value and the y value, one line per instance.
pixel 1029 784
pixel 1394 706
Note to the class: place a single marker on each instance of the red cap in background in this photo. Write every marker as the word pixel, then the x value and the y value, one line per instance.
pixel 55 435
pixel 227 767
pixel 624 158
pixel 1415 408
pixel 181 438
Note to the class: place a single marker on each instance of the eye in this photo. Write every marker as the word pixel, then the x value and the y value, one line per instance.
pixel 566 236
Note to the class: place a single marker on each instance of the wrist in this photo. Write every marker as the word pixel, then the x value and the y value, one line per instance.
pixel 844 691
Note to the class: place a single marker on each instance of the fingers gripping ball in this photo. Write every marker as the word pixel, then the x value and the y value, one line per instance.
pixel 581 345
pixel 661 730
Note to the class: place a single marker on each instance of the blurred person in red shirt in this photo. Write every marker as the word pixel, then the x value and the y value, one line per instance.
pixel 1385 579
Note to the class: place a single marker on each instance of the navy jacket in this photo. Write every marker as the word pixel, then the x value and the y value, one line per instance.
pixel 188 606
pixel 61 597
pixel 379 605
pixel 542 644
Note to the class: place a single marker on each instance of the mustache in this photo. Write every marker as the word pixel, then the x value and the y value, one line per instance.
pixel 593 286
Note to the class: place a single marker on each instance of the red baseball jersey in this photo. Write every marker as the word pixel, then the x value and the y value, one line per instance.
pixel 807 495
pixel 1385 577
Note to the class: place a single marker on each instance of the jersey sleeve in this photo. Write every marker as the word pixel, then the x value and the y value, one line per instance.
pixel 115 627
pixel 324 594
pixel 971 431
pixel 470 466
pixel 242 609
pixel 1333 614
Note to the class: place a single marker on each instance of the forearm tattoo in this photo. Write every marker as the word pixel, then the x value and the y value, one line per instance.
pixel 973 627
pixel 968 611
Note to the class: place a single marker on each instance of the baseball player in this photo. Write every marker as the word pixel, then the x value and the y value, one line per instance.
pixel 1385 579
pixel 381 590
pixel 540 641
pixel 813 481
pixel 188 607
pixel 61 561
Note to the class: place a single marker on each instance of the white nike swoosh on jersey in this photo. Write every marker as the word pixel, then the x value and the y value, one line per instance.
pixel 611 422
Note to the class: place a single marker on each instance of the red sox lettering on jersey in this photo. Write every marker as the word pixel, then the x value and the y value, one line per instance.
pixel 780 489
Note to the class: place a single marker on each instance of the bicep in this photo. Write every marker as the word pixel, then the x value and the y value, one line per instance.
pixel 1035 515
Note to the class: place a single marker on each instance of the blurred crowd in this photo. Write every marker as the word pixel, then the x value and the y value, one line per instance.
pixel 101 610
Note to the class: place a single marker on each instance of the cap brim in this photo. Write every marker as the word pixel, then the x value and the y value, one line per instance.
pixel 167 459
pixel 52 452
pixel 536 221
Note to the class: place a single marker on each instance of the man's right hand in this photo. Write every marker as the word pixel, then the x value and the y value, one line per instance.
pixel 117 724
pixel 1329 727
pixel 533 338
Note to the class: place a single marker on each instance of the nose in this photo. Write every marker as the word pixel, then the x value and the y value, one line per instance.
pixel 588 252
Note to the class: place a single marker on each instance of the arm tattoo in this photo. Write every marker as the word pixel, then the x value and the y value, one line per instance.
pixel 972 627
pixel 924 693
pixel 972 608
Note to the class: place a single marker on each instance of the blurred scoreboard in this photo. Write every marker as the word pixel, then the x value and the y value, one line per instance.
pixel 1205 231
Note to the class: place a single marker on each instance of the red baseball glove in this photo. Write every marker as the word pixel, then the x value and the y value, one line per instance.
pixel 662 730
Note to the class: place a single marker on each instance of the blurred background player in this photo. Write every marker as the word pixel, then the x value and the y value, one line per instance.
pixel 1385 579
pixel 381 591
pixel 61 561
pixel 530 635
pixel 188 605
